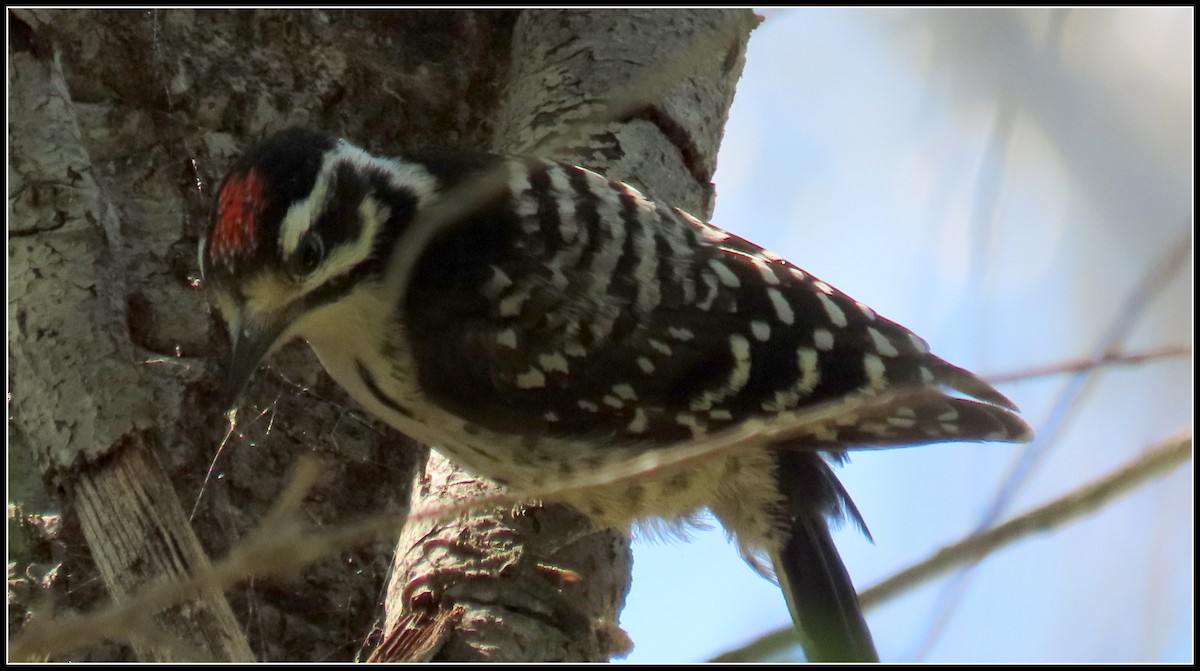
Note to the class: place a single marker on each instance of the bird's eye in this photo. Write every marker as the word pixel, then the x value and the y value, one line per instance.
pixel 307 257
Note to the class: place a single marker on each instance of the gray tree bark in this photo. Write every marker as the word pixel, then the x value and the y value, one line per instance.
pixel 112 346
pixel 121 123
pixel 641 96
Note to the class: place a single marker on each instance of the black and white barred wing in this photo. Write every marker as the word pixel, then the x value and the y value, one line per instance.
pixel 577 303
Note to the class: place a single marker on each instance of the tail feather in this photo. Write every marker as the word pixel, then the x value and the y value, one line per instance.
pixel 913 415
pixel 818 589
pixel 967 382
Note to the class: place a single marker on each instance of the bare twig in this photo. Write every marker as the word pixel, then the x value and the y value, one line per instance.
pixel 1068 402
pixel 785 428
pixel 281 544
pixel 1126 318
pixel 275 547
pixel 1153 463
pixel 987 196
pixel 1081 365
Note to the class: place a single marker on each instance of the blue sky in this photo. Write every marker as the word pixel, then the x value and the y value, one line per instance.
pixel 999 183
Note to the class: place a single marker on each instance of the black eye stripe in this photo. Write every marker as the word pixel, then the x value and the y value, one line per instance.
pixel 308 255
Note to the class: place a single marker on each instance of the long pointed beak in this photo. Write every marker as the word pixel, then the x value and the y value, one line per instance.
pixel 256 336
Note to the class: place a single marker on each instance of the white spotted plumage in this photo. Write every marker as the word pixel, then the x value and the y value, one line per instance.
pixel 569 319
pixel 783 309
pixel 592 270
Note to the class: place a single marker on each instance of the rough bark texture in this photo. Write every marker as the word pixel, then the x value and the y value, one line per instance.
pixel 112 345
pixel 539 584
pixel 667 76
pixel 121 123
pixel 86 411
pixel 526 584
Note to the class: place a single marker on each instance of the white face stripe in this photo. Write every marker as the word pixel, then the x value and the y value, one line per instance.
pixel 372 212
pixel 402 175
pixel 348 254
pixel 303 214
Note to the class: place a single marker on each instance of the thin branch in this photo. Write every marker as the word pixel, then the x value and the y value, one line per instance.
pixel 1127 317
pixel 275 547
pixel 281 544
pixel 1081 365
pixel 992 168
pixel 786 427
pixel 1152 464
pixel 1068 402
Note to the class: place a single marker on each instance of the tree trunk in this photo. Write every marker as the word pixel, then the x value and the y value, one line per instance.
pixel 641 96
pixel 120 123
pixel 76 394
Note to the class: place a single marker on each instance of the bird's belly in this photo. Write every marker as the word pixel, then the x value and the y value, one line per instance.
pixel 594 477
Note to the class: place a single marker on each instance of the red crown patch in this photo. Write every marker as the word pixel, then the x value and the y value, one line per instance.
pixel 238 212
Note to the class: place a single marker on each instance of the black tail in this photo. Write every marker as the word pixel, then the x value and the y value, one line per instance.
pixel 818 589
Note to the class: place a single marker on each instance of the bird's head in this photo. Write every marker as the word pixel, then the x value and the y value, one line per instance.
pixel 297 224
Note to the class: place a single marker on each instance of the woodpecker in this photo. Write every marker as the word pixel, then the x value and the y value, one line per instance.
pixel 535 320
